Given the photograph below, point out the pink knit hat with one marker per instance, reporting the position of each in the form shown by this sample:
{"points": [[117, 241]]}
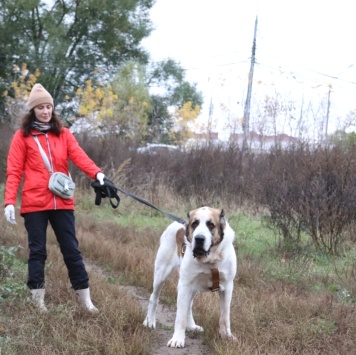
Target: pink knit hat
{"points": [[39, 95]]}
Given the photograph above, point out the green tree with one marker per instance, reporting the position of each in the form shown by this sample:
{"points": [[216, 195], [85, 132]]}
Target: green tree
{"points": [[71, 41], [133, 105], [120, 108], [125, 107], [174, 92], [342, 139]]}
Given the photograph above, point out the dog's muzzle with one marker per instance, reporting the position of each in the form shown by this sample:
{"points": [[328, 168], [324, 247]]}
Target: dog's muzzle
{"points": [[199, 250]]}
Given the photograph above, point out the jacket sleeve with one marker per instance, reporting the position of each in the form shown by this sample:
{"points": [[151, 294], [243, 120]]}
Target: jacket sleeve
{"points": [[15, 167], [77, 155]]}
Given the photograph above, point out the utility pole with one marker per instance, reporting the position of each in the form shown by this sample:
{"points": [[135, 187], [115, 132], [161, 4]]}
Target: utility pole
{"points": [[246, 118], [210, 122], [327, 116]]}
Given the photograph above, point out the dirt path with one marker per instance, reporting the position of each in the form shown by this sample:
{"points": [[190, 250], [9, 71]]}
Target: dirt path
{"points": [[164, 330], [165, 317]]}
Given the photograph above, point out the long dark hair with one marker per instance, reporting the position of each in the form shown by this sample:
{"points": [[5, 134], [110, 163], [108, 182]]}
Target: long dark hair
{"points": [[30, 117]]}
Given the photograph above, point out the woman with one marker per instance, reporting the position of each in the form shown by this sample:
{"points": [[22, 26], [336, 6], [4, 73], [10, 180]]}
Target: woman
{"points": [[38, 204]]}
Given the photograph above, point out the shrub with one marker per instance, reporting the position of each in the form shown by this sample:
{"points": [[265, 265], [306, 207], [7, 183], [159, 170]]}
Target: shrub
{"points": [[9, 264], [310, 192]]}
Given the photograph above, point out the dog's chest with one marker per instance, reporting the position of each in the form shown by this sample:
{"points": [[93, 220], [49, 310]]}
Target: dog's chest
{"points": [[205, 279]]}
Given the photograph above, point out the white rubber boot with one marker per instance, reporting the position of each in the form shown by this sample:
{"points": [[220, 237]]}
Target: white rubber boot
{"points": [[85, 300], [37, 296]]}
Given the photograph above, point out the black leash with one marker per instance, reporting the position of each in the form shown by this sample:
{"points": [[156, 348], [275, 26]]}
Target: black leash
{"points": [[110, 190]]}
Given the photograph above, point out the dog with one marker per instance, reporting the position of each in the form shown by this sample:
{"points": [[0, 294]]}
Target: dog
{"points": [[204, 253]]}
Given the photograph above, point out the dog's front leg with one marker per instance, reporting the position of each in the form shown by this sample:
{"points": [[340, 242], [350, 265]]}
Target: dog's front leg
{"points": [[184, 300], [164, 266], [191, 325], [225, 303]]}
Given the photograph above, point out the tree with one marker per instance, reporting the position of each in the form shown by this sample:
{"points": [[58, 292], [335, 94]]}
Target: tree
{"points": [[342, 139], [15, 105], [126, 108], [71, 41], [184, 116], [120, 108], [133, 105], [174, 92], [95, 103]]}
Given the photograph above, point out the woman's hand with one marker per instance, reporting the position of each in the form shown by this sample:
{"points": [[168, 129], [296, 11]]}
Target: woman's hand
{"points": [[100, 177], [10, 214]]}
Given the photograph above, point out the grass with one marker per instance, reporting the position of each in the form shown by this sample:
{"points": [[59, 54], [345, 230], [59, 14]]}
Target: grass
{"points": [[253, 238], [282, 303]]}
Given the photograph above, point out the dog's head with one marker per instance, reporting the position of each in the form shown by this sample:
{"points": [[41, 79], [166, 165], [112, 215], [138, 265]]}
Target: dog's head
{"points": [[204, 229]]}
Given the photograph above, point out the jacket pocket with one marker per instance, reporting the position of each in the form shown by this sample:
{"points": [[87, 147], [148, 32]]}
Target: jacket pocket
{"points": [[67, 202], [35, 197]]}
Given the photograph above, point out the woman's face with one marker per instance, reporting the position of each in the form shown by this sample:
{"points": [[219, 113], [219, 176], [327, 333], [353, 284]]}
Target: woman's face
{"points": [[43, 112]]}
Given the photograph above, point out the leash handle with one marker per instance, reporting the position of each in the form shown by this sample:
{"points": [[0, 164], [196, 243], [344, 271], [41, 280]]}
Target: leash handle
{"points": [[113, 195], [102, 191]]}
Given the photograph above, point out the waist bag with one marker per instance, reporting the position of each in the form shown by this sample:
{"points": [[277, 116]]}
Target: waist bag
{"points": [[59, 183]]}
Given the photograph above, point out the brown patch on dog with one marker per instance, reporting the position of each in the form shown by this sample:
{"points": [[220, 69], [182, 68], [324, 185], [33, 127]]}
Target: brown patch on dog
{"points": [[188, 226], [217, 217], [222, 225], [180, 242]]}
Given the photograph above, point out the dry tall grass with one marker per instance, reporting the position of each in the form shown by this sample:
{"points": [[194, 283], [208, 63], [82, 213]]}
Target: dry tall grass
{"points": [[268, 315]]}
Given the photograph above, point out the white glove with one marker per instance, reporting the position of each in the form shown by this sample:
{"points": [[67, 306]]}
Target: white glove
{"points": [[10, 214], [100, 178]]}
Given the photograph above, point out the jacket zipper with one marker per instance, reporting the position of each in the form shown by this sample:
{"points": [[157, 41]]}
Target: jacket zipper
{"points": [[51, 162]]}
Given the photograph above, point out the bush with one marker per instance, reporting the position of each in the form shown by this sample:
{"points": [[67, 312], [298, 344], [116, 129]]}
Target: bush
{"points": [[6, 133], [309, 192], [9, 284]]}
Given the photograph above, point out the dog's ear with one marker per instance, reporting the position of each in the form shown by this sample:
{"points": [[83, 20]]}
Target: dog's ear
{"points": [[222, 223], [188, 231], [222, 217]]}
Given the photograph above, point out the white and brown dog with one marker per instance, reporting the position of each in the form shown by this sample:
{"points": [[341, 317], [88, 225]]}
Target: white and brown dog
{"points": [[209, 264]]}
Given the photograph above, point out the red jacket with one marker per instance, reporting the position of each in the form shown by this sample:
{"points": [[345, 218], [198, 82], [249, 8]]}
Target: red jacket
{"points": [[25, 161]]}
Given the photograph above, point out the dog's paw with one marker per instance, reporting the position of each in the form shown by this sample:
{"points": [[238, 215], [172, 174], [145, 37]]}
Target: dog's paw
{"points": [[228, 336], [149, 324], [176, 343], [195, 328], [232, 337]]}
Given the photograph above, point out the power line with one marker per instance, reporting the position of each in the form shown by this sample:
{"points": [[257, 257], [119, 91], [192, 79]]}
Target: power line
{"points": [[309, 70], [217, 65]]}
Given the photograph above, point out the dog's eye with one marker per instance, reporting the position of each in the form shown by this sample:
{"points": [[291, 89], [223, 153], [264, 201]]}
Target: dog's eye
{"points": [[195, 224], [210, 225]]}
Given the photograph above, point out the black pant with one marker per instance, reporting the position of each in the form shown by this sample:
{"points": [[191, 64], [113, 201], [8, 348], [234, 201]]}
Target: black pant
{"points": [[63, 224]]}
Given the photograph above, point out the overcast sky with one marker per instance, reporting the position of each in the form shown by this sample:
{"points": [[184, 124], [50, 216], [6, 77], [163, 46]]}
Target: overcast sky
{"points": [[301, 46]]}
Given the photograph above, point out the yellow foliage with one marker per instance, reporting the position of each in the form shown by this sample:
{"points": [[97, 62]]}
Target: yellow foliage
{"points": [[97, 102], [99, 93], [187, 113], [23, 82], [184, 117]]}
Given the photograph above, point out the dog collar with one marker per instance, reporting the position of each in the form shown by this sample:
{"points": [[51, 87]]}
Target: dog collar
{"points": [[216, 280]]}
